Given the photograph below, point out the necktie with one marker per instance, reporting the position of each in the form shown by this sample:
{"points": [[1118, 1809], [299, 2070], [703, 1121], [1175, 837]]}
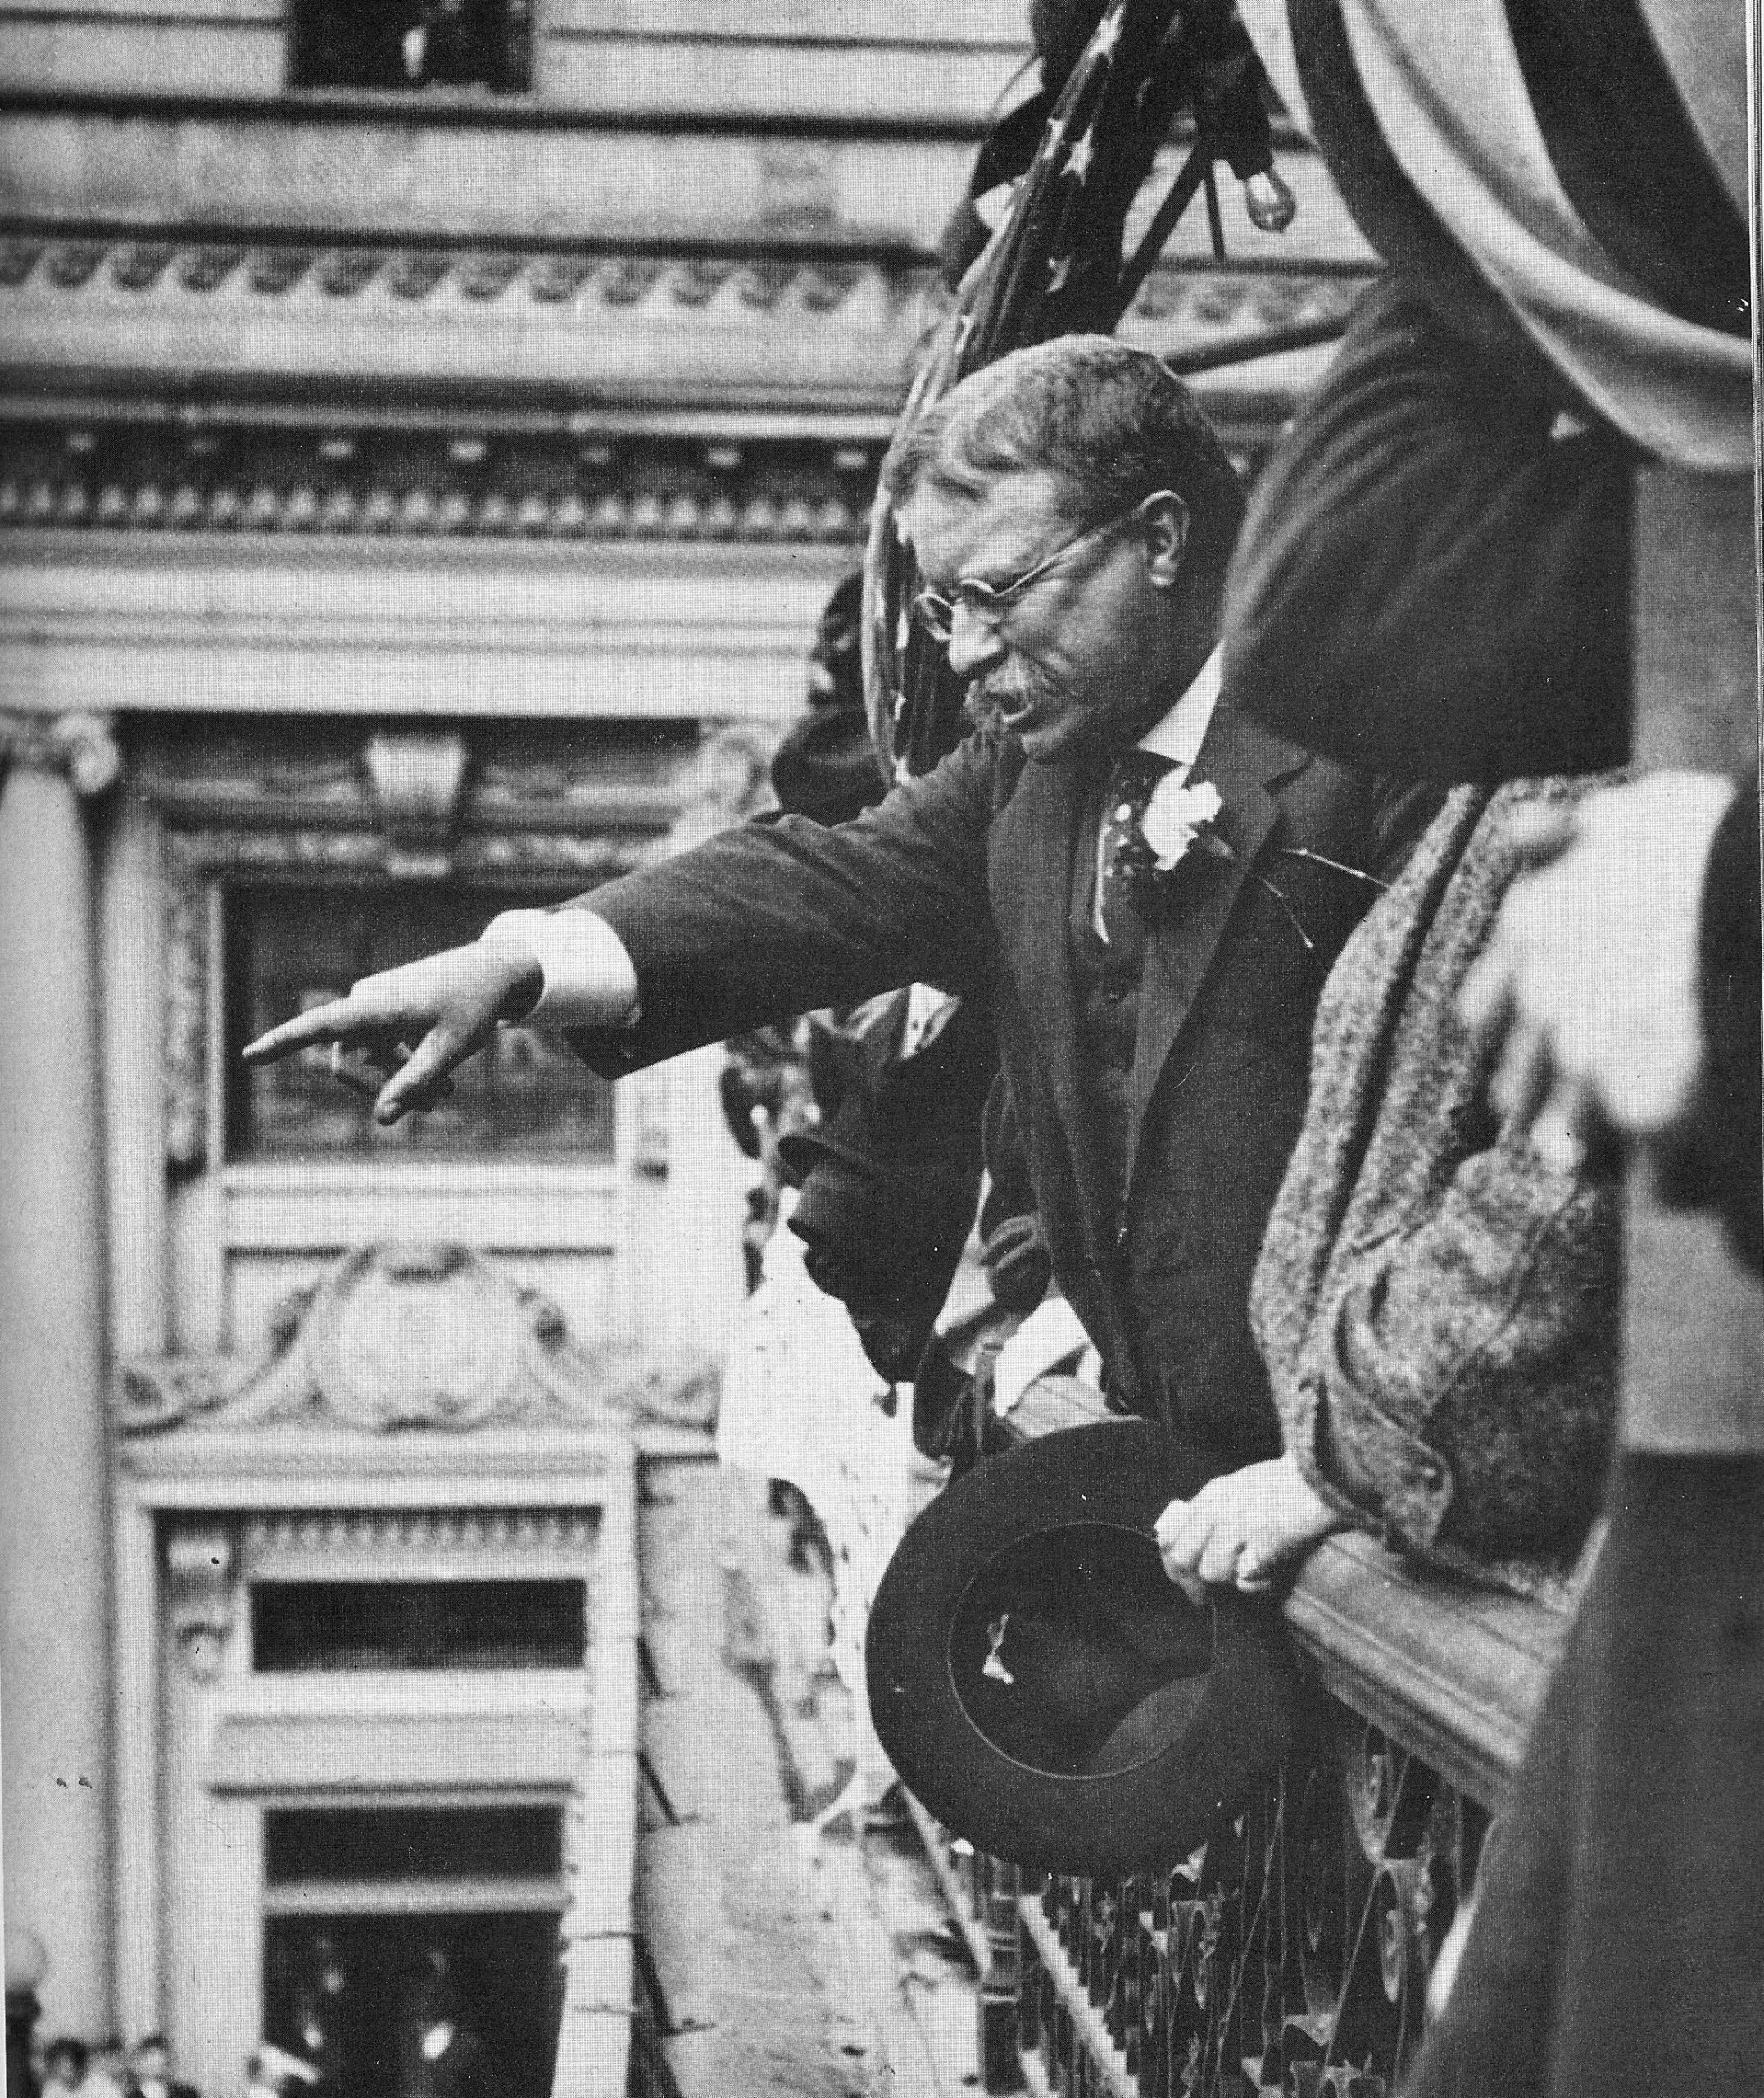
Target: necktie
{"points": [[1135, 772]]}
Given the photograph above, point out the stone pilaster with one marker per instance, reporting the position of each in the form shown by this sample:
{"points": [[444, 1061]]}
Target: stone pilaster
{"points": [[54, 1513]]}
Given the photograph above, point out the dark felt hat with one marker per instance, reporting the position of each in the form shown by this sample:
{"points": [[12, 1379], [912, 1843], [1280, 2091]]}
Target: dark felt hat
{"points": [[826, 768], [889, 1178], [890, 1229], [1040, 1684]]}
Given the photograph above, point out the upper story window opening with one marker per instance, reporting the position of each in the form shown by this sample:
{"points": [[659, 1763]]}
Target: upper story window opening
{"points": [[412, 43]]}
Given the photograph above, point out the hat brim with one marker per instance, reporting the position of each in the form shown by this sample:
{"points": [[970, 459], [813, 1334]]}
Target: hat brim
{"points": [[1174, 1760]]}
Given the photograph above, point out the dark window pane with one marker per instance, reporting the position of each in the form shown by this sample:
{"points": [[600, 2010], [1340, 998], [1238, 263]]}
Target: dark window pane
{"points": [[289, 949], [298, 1626], [412, 43], [381, 1843], [338, 1991]]}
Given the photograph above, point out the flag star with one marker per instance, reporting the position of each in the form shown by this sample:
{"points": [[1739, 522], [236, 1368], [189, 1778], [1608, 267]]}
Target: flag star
{"points": [[1078, 162], [1059, 269]]}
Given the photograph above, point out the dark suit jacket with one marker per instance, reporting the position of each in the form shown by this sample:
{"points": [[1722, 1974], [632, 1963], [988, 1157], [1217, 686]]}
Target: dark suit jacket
{"points": [[963, 877]]}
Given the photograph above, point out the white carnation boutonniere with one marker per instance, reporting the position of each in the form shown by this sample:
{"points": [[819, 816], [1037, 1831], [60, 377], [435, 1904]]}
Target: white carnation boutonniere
{"points": [[1178, 819], [1180, 824]]}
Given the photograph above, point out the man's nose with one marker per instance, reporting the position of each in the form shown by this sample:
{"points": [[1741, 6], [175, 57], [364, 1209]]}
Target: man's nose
{"points": [[975, 643]]}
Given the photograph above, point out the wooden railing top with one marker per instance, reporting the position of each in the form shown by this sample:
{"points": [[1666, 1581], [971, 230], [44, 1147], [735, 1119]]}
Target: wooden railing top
{"points": [[1452, 1673]]}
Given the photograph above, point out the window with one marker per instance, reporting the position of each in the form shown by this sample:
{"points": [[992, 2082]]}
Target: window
{"points": [[344, 1990], [412, 43], [309, 1847], [301, 1627], [525, 1094]]}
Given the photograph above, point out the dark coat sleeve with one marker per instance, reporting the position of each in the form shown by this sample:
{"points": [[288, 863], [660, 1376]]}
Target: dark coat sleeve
{"points": [[1460, 1382], [1438, 1306], [1422, 560], [778, 918]]}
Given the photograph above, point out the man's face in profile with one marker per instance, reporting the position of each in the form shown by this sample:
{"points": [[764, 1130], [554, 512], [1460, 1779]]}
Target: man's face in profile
{"points": [[1062, 663]]}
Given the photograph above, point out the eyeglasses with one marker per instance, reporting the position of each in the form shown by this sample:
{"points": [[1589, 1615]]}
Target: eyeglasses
{"points": [[988, 602]]}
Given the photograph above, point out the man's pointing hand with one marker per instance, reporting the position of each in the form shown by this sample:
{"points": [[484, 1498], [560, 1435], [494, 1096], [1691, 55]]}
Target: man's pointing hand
{"points": [[447, 1005]]}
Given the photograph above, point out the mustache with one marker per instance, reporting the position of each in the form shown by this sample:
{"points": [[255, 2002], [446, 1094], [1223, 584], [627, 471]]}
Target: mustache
{"points": [[1008, 687]]}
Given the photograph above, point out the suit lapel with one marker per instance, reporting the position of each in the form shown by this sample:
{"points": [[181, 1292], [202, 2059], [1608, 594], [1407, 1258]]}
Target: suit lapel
{"points": [[1240, 758], [1033, 842]]}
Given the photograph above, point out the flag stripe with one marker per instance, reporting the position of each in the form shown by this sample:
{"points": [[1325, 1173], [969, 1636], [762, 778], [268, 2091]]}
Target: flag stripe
{"points": [[1629, 157], [1451, 101]]}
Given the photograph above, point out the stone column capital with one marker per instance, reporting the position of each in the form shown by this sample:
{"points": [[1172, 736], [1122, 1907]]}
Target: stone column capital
{"points": [[80, 746]]}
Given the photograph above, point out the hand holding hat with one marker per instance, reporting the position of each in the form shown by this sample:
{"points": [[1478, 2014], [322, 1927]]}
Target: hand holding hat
{"points": [[1040, 1686]]}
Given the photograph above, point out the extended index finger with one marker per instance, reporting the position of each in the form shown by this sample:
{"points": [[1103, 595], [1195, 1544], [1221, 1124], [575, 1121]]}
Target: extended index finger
{"points": [[339, 1021]]}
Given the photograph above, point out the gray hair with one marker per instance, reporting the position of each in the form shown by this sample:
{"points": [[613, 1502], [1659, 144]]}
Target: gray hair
{"points": [[1110, 421]]}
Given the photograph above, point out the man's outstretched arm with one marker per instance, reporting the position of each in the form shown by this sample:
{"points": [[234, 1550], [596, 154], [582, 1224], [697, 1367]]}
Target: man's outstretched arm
{"points": [[780, 917], [756, 923]]}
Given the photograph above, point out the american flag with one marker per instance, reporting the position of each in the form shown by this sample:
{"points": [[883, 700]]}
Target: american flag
{"points": [[1054, 267]]}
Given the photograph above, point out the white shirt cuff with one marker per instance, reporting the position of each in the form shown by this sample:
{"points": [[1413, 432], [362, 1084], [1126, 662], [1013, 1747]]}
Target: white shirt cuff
{"points": [[580, 958]]}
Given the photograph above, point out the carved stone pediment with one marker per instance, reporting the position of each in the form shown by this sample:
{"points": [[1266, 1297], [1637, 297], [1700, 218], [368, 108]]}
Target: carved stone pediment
{"points": [[403, 1336]]}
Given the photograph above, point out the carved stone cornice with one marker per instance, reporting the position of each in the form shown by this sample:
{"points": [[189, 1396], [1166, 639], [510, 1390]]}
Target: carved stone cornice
{"points": [[80, 746], [597, 786], [575, 284], [788, 374], [287, 479], [594, 287], [397, 1336], [508, 322]]}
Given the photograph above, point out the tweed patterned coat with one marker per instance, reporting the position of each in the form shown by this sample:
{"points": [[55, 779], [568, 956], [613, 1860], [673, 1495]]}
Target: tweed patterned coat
{"points": [[1438, 1309]]}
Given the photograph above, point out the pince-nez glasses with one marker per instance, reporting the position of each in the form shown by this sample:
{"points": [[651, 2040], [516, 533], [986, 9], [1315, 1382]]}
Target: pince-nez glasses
{"points": [[988, 602]]}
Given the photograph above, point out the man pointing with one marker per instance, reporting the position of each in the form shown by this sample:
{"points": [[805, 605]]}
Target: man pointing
{"points": [[1147, 887]]}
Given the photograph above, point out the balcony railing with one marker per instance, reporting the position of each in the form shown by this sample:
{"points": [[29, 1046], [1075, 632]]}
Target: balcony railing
{"points": [[1291, 1952]]}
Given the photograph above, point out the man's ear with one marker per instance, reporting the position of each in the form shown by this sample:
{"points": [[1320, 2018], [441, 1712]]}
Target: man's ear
{"points": [[1164, 523]]}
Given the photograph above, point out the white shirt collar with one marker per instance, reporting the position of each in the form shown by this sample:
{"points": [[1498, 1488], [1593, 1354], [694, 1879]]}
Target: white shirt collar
{"points": [[1179, 735]]}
